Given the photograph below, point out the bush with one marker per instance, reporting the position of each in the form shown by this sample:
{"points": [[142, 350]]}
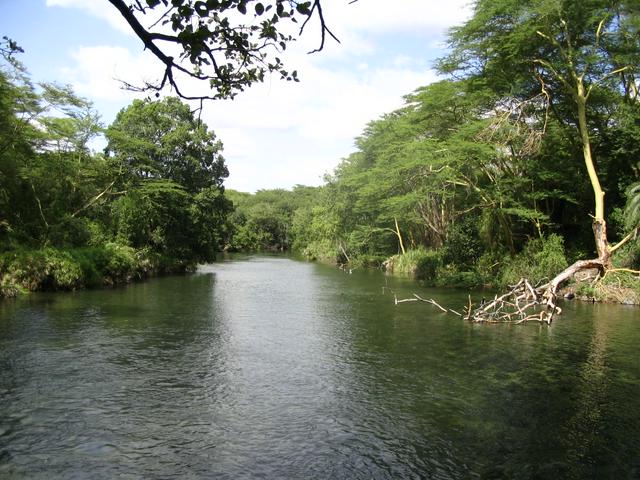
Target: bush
{"points": [[462, 247], [55, 269], [419, 263], [121, 264], [489, 267], [541, 258], [619, 287], [322, 250], [628, 256], [367, 261], [70, 232], [46, 269], [450, 276]]}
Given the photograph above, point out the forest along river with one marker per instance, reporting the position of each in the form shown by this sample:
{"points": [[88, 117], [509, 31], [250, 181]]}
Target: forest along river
{"points": [[266, 367]]}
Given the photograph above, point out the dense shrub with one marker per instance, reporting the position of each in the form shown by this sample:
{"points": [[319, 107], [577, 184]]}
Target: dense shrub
{"points": [[46, 269], [462, 246], [541, 259], [419, 263], [57, 269], [621, 287], [450, 276], [322, 250]]}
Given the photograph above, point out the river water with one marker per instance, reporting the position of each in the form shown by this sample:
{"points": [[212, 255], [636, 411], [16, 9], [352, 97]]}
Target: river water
{"points": [[266, 367]]}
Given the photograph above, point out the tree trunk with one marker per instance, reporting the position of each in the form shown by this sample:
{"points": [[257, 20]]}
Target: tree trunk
{"points": [[599, 223], [602, 245]]}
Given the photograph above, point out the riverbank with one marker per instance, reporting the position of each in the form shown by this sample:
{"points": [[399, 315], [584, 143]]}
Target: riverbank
{"points": [[53, 269], [618, 285]]}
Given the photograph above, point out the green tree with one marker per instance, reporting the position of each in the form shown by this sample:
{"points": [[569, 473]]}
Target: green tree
{"points": [[49, 176], [170, 173], [263, 221], [583, 59], [163, 140]]}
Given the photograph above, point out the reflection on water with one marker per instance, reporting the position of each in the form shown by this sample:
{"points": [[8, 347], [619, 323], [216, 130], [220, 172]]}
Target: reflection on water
{"points": [[270, 368]]}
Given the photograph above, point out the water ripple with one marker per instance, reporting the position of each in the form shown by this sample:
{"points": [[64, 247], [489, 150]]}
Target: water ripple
{"points": [[269, 368]]}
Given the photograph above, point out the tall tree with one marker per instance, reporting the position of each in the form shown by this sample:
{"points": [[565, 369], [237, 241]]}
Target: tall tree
{"points": [[163, 140], [170, 171]]}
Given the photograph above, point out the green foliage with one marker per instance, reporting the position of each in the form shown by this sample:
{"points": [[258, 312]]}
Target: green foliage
{"points": [[419, 263], [71, 269], [632, 209], [265, 220], [163, 140], [230, 51], [574, 63], [71, 218], [450, 276], [617, 286], [47, 269], [462, 247], [541, 259], [173, 203]]}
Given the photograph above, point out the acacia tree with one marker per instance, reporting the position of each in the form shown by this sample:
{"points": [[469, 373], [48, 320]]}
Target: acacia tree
{"points": [[49, 180], [571, 52]]}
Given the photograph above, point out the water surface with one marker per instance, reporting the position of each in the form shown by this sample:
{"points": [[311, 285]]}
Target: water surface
{"points": [[266, 367]]}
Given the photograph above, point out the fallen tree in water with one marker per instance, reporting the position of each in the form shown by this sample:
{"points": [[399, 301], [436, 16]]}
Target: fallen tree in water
{"points": [[522, 303], [525, 302]]}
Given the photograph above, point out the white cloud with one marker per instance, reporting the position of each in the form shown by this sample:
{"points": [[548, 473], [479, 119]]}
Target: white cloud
{"points": [[97, 8], [279, 134], [378, 16], [99, 71], [291, 134]]}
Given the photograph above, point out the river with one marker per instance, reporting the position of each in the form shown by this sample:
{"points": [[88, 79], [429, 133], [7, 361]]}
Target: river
{"points": [[267, 367]]}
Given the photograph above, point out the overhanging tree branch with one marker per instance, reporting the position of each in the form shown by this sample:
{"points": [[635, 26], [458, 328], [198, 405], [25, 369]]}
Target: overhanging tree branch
{"points": [[228, 54]]}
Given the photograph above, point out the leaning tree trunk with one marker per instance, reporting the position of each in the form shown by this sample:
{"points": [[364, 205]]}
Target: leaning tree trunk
{"points": [[603, 262], [599, 224], [518, 303]]}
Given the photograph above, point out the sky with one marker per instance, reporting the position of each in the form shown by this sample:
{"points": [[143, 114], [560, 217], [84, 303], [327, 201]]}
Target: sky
{"points": [[276, 134]]}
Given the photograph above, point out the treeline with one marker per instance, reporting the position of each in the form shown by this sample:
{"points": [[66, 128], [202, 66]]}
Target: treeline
{"points": [[491, 174], [469, 192], [152, 201]]}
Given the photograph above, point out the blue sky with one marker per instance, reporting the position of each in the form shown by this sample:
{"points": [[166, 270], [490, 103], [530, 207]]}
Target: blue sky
{"points": [[276, 134]]}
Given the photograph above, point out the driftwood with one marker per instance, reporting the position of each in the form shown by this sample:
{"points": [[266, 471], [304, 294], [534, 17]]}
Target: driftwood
{"points": [[418, 298], [522, 303]]}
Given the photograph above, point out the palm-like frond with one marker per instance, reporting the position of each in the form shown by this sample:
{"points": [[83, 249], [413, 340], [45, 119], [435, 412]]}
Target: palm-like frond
{"points": [[632, 209]]}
